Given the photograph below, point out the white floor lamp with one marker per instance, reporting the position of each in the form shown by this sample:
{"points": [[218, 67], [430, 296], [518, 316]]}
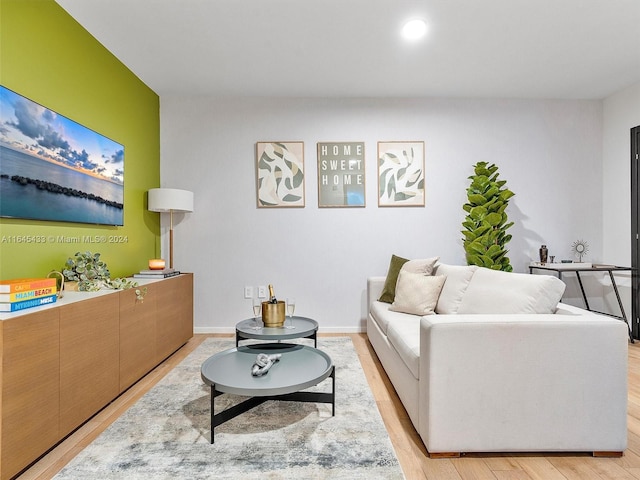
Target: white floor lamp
{"points": [[170, 200]]}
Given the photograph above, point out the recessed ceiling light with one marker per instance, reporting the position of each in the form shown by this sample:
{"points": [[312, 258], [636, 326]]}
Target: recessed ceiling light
{"points": [[414, 29]]}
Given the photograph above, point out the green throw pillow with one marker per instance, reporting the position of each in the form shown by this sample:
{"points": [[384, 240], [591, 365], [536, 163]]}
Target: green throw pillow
{"points": [[389, 290]]}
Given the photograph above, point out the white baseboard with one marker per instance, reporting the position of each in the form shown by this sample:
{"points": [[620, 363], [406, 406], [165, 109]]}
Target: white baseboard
{"points": [[232, 330]]}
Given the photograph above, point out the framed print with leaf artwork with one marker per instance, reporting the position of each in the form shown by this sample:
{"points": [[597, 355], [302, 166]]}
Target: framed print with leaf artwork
{"points": [[280, 174], [341, 174], [401, 174]]}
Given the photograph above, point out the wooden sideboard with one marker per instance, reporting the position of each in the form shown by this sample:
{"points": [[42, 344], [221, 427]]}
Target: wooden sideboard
{"points": [[61, 364]]}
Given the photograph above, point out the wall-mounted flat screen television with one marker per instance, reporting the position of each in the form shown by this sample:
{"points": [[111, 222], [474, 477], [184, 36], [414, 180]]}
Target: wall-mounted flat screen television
{"points": [[52, 168]]}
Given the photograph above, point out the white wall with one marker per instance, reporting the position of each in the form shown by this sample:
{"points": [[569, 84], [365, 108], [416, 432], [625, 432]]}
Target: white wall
{"points": [[550, 153], [621, 112]]}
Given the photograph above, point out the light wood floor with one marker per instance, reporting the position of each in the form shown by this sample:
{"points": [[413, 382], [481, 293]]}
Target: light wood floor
{"points": [[407, 443]]}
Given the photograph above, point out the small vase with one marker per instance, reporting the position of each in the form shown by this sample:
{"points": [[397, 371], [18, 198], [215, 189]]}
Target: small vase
{"points": [[71, 286], [543, 254]]}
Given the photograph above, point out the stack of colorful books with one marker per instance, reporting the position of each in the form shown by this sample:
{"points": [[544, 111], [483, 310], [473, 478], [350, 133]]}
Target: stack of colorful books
{"points": [[157, 274], [22, 293]]}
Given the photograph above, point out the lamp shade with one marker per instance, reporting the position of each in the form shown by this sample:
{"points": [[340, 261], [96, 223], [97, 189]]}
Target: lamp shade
{"points": [[170, 199]]}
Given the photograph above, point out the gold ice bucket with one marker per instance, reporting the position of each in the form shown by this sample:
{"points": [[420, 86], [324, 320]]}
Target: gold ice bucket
{"points": [[273, 314]]}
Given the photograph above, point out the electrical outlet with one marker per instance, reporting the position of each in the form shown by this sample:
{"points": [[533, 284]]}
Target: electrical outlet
{"points": [[248, 292], [262, 291]]}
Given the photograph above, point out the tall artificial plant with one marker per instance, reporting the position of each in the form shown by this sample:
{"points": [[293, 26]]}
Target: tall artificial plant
{"points": [[486, 223]]}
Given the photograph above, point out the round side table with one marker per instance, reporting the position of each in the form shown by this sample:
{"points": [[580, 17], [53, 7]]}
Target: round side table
{"points": [[303, 328]]}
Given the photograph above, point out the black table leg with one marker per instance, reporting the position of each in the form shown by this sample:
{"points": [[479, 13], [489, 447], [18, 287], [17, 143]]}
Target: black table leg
{"points": [[624, 315], [584, 295], [333, 392], [252, 402]]}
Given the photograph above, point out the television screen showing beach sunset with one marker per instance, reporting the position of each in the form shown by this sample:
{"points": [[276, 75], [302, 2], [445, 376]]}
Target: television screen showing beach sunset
{"points": [[52, 168]]}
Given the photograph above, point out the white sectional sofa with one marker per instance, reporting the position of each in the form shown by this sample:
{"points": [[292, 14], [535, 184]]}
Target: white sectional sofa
{"points": [[496, 364]]}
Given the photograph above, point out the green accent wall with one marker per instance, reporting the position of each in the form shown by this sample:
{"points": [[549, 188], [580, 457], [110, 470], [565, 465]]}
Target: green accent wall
{"points": [[48, 57]]}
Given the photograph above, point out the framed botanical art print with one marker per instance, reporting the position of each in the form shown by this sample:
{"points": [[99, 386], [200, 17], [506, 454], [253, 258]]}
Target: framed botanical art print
{"points": [[280, 174], [341, 174], [401, 174]]}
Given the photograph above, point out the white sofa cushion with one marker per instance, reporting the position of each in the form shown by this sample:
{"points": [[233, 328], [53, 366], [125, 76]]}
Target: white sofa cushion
{"points": [[457, 280], [417, 293], [381, 314], [405, 339], [495, 291]]}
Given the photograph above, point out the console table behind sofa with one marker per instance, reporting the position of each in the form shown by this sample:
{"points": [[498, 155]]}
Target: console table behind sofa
{"points": [[560, 268]]}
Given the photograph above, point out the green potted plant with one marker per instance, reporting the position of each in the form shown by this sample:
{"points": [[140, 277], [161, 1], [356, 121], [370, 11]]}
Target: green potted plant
{"points": [[486, 223], [88, 270], [92, 274]]}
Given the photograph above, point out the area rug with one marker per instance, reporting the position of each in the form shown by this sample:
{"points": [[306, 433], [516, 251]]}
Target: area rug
{"points": [[165, 435]]}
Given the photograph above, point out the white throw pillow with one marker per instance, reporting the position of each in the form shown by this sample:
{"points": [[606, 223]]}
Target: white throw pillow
{"points": [[424, 266], [494, 291], [417, 293], [458, 278]]}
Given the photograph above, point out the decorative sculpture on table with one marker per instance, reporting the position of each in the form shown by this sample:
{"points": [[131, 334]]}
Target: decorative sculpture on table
{"points": [[59, 282], [579, 249], [544, 252], [263, 363]]}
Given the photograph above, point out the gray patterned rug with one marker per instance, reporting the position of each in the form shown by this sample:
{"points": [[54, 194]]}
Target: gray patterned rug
{"points": [[165, 435]]}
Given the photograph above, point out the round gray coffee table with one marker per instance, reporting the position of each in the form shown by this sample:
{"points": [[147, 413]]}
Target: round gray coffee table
{"points": [[299, 367], [303, 328]]}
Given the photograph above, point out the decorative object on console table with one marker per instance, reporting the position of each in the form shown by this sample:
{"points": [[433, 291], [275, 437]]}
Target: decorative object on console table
{"points": [[157, 274], [544, 252], [169, 200], [580, 249], [157, 264], [59, 282], [92, 274], [401, 174], [25, 284], [27, 293], [280, 174], [33, 302], [341, 174]]}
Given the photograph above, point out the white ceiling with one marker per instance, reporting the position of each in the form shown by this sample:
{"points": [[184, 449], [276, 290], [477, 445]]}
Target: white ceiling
{"points": [[352, 48]]}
